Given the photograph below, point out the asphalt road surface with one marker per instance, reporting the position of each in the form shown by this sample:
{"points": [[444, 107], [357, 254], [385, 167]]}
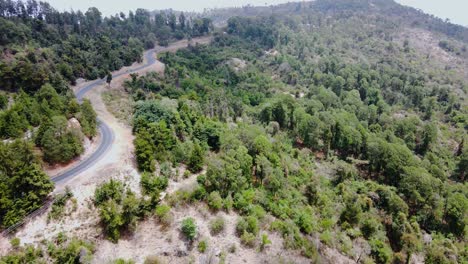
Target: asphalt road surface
{"points": [[107, 136]]}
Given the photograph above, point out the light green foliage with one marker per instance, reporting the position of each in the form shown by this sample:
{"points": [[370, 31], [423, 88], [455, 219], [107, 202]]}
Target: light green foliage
{"points": [[163, 213], [248, 239], [152, 183], [61, 250], [381, 252], [264, 242], [248, 224], [202, 246], [111, 217], [215, 201], [15, 242]]}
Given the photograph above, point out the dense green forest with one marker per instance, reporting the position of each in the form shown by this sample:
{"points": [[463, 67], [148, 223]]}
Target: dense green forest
{"points": [[275, 97], [43, 51], [321, 116]]}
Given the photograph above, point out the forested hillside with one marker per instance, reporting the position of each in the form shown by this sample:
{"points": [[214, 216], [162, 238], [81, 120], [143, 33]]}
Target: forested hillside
{"points": [[275, 98], [332, 124], [43, 51]]}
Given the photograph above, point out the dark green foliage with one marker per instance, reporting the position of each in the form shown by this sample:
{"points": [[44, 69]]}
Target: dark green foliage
{"points": [[381, 253], [197, 158], [58, 207], [73, 44], [355, 137], [23, 184], [152, 183], [88, 119], [112, 190], [144, 151], [119, 210], [189, 228], [59, 142]]}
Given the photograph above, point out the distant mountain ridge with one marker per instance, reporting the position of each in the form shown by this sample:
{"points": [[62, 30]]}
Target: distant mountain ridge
{"points": [[397, 12]]}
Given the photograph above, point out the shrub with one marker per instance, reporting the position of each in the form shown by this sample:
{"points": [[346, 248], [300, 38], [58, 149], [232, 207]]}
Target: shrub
{"points": [[15, 242], [111, 218], [228, 203], [202, 246], [248, 239], [232, 248], [264, 242], [247, 224], [123, 261], [153, 260], [369, 227], [217, 225], [152, 183], [215, 201], [327, 238], [58, 207], [166, 170], [189, 228], [381, 252], [163, 213], [197, 158], [107, 191]]}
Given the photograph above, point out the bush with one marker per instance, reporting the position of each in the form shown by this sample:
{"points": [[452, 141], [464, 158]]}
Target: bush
{"points": [[217, 225], [189, 228], [123, 261], [58, 207], [264, 242], [187, 174], [228, 203], [111, 190], [152, 183], [163, 213], [327, 238], [153, 260], [197, 159], [232, 248], [248, 239], [369, 227], [215, 201], [247, 224], [381, 252], [15, 242], [202, 246]]}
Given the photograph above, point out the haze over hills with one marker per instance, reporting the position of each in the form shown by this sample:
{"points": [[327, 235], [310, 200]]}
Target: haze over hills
{"points": [[331, 131]]}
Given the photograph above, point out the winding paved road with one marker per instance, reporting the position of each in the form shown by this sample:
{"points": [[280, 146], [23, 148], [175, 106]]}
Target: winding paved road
{"points": [[107, 136]]}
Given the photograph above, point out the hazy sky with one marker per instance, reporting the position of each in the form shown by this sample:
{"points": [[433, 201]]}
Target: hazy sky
{"points": [[455, 10]]}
